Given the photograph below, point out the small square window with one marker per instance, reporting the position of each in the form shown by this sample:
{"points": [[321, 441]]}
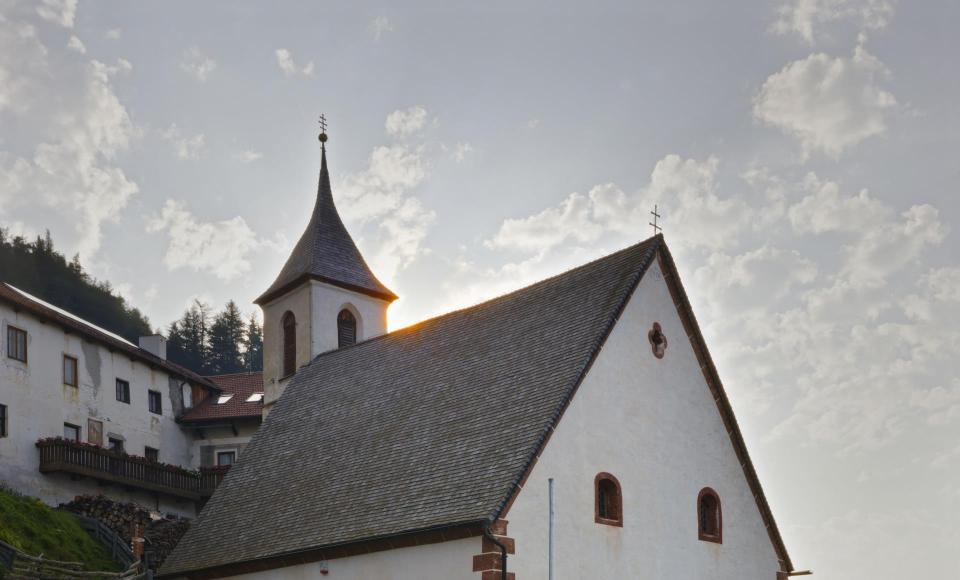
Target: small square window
{"points": [[3, 420], [123, 391], [226, 458], [115, 444], [17, 343], [71, 432], [69, 370], [151, 454], [156, 405]]}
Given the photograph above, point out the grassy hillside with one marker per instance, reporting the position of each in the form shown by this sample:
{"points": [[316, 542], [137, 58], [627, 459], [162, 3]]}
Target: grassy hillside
{"points": [[32, 527]]}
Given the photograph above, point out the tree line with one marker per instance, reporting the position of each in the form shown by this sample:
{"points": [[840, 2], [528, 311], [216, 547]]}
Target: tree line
{"points": [[38, 268], [218, 343], [204, 341]]}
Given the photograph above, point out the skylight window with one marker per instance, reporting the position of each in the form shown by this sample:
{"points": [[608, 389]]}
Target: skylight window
{"points": [[224, 398], [255, 398]]}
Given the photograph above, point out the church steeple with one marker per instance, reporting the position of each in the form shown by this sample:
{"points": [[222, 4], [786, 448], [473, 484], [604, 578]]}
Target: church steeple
{"points": [[326, 252], [324, 298]]}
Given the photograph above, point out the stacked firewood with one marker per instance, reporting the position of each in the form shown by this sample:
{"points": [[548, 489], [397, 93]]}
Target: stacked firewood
{"points": [[118, 516], [161, 533]]}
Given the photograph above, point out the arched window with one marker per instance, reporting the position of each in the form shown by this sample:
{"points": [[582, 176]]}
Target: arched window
{"points": [[289, 325], [709, 516], [609, 501], [346, 328]]}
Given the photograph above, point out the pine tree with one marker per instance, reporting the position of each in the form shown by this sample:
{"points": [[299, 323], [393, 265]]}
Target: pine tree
{"points": [[226, 341], [253, 355], [188, 340]]}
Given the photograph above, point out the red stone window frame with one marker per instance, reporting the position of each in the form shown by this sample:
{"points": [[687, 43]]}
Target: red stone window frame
{"points": [[709, 516], [608, 500], [288, 327]]}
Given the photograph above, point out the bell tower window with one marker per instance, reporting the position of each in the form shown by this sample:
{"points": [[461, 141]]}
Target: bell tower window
{"points": [[289, 327], [346, 328]]}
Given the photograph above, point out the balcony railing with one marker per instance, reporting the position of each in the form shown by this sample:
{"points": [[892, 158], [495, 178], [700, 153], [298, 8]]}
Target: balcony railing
{"points": [[61, 455]]}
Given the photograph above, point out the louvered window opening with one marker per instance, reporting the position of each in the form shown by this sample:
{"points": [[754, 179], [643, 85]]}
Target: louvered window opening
{"points": [[346, 329], [289, 324]]}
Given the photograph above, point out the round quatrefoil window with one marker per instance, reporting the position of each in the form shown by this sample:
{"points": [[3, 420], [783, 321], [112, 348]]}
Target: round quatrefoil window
{"points": [[658, 342]]}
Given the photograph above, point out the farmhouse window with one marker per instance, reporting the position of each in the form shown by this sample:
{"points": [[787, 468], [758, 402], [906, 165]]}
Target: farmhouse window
{"points": [[71, 432], [17, 343], [123, 391], [155, 401], [69, 370]]}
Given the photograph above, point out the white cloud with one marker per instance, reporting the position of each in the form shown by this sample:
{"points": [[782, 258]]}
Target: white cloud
{"points": [[23, 65], [826, 209], [62, 12], [75, 174], [289, 67], [380, 25], [76, 45], [406, 122], [943, 284], [829, 104], [533, 123], [684, 189], [249, 156], [804, 16], [187, 148], [197, 64], [221, 248], [460, 151], [379, 202], [113, 34]]}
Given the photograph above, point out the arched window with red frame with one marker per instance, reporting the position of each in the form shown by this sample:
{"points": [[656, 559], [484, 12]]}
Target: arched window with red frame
{"points": [[709, 516], [288, 325], [608, 500]]}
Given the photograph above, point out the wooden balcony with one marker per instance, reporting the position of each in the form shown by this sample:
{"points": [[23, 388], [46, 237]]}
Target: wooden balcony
{"points": [[60, 455]]}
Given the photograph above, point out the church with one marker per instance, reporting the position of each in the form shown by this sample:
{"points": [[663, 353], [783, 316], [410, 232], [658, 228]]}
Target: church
{"points": [[575, 428]]}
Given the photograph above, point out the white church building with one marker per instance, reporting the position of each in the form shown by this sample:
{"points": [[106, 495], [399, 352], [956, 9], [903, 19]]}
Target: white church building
{"points": [[574, 429]]}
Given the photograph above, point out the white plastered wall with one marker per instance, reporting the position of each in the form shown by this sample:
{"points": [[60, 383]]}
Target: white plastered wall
{"points": [[38, 405], [451, 560], [653, 424]]}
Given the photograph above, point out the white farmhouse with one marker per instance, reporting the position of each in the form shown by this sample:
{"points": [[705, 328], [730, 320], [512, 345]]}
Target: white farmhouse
{"points": [[584, 410], [84, 411]]}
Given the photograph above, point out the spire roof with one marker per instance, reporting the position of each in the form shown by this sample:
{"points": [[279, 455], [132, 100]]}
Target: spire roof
{"points": [[326, 252]]}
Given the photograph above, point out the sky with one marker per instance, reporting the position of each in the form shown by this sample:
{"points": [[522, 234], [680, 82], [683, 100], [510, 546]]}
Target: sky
{"points": [[802, 154]]}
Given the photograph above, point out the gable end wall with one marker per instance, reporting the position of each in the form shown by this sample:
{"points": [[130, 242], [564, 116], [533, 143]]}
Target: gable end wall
{"points": [[653, 424]]}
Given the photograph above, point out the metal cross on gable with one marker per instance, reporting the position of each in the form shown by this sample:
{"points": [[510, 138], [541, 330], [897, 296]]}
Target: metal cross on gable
{"points": [[656, 227], [323, 123]]}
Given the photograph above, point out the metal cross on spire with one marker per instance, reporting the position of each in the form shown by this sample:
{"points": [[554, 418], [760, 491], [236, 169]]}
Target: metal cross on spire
{"points": [[323, 128], [656, 227]]}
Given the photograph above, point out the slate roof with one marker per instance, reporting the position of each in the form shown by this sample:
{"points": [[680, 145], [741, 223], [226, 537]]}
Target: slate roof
{"points": [[424, 427], [326, 252], [241, 386], [46, 311], [428, 427]]}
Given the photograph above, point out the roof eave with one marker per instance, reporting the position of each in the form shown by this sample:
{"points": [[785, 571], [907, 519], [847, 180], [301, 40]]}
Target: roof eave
{"points": [[274, 293], [405, 539]]}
